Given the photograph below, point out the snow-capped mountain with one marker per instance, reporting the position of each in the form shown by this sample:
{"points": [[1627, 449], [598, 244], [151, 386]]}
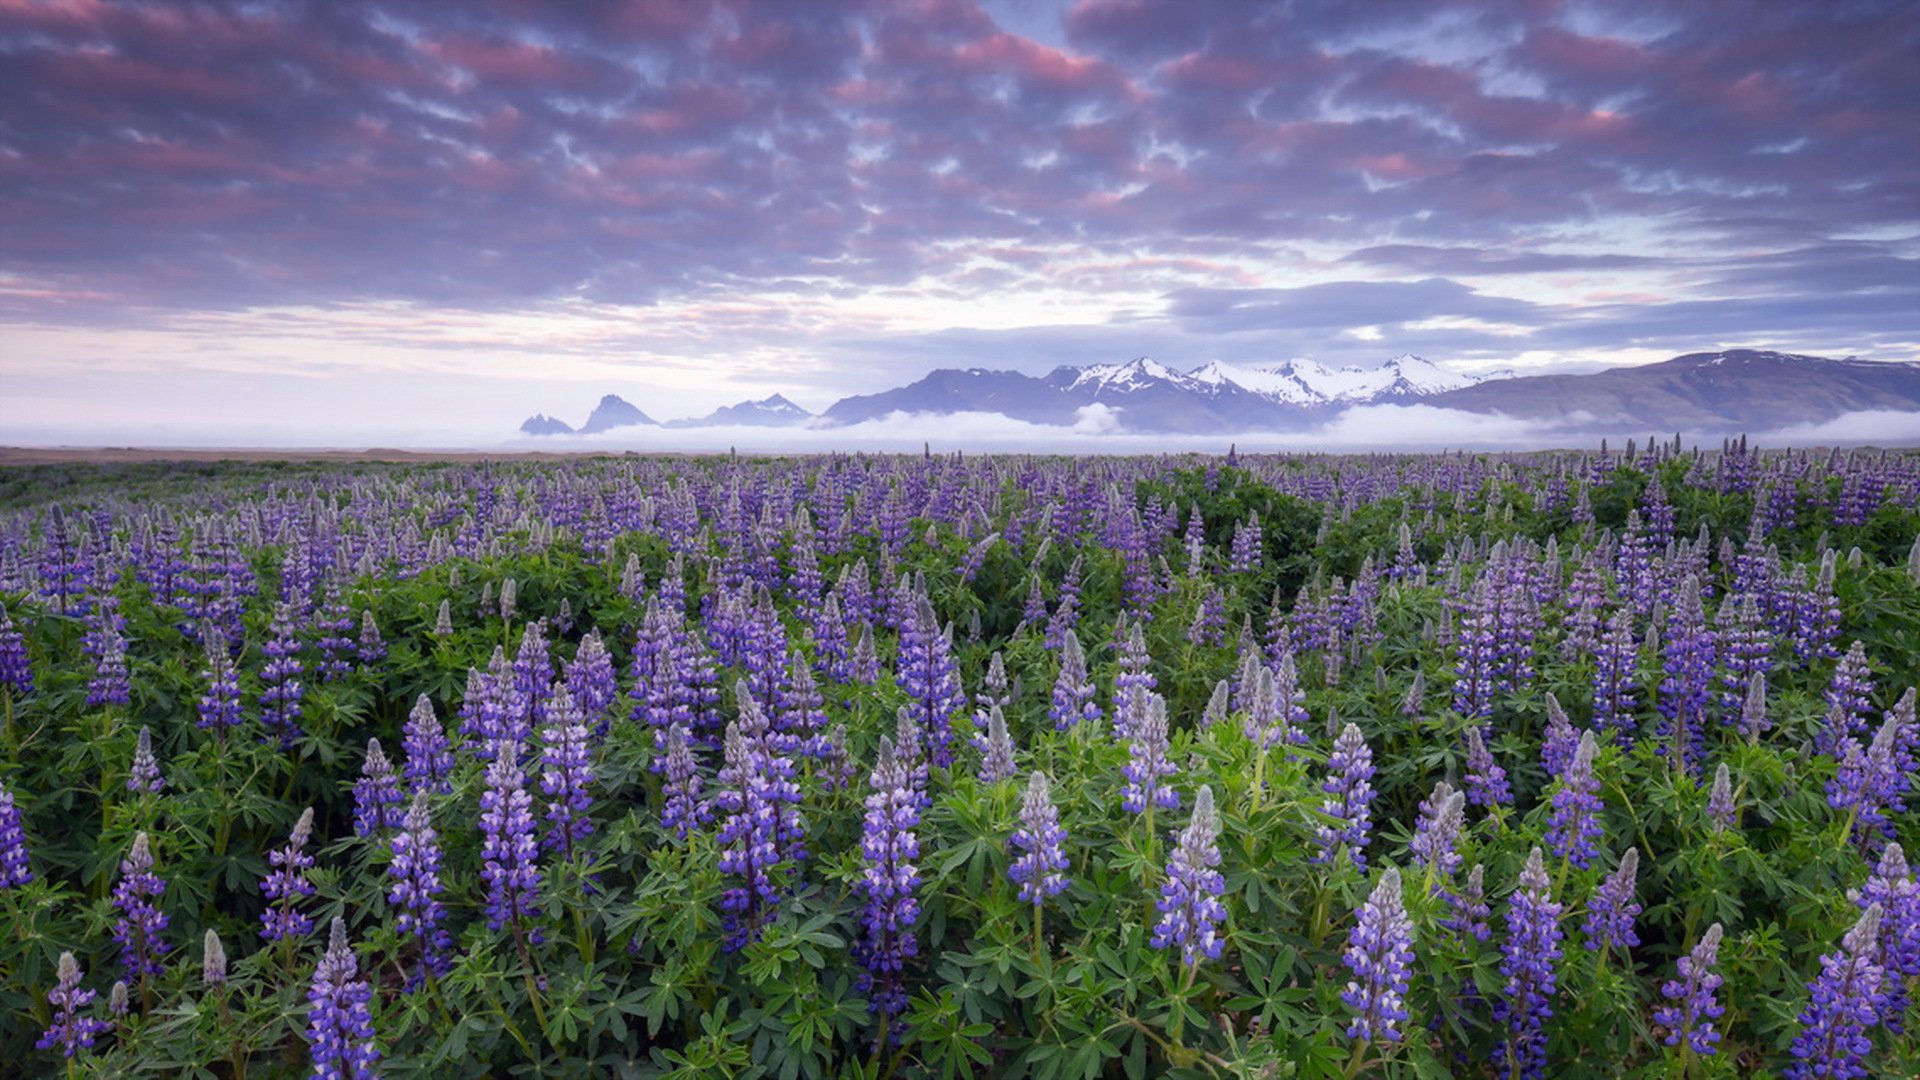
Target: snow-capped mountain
{"points": [[1730, 391]]}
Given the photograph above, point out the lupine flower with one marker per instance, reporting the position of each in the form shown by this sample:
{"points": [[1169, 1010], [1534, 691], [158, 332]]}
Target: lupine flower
{"points": [[1527, 960], [141, 921], [1690, 1018], [1848, 697], [219, 707], [1190, 907], [1556, 750], [415, 870], [1147, 766], [1349, 798], [1040, 867], [443, 620], [836, 765], [508, 851], [996, 758], [74, 1027], [566, 775], [1615, 681], [286, 884], [1486, 780], [1218, 705], [1135, 672], [928, 675], [683, 810], [213, 959], [1833, 1039], [424, 741], [1753, 711], [1575, 823], [117, 1006], [1072, 691], [15, 870], [376, 795], [1611, 912], [591, 680], [1720, 805], [281, 694], [762, 828], [108, 684], [16, 670], [1688, 658], [1469, 909], [889, 846], [340, 1022], [1891, 886], [1436, 831], [1379, 952], [371, 648]]}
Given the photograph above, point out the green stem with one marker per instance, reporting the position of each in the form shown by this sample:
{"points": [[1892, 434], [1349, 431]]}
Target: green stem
{"points": [[1354, 1063]]}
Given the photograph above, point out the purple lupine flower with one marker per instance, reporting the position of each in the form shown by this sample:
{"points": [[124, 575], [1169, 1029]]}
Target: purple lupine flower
{"points": [[371, 648], [1748, 648], [996, 758], [1833, 1040], [864, 668], [1486, 780], [800, 711], [286, 884], [1219, 704], [1611, 912], [1379, 952], [1436, 831], [280, 675], [566, 775], [1247, 546], [1527, 960], [415, 870], [1469, 910], [1616, 680], [837, 769], [1867, 783], [1575, 823], [429, 762], [376, 794], [15, 870], [443, 621], [1073, 690], [1691, 1019], [508, 851], [16, 669], [109, 684], [889, 846], [1477, 643], [219, 707], [144, 774], [1848, 698], [1349, 798], [334, 621], [1040, 868], [1066, 614], [1720, 805], [1209, 626], [74, 1026], [340, 1022], [1190, 907], [1147, 766], [1135, 666], [141, 921], [683, 810], [746, 837], [1686, 694], [1556, 750], [1892, 887], [590, 678], [928, 675]]}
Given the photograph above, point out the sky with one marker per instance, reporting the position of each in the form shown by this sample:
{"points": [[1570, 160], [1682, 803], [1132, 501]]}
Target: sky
{"points": [[415, 222]]}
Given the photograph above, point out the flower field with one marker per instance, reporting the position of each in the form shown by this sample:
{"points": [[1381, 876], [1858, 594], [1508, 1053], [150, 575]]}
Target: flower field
{"points": [[1569, 765]]}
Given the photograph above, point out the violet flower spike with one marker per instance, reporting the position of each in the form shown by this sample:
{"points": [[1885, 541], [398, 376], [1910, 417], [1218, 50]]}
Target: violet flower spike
{"points": [[15, 869], [1379, 953], [1833, 1039], [1527, 960], [340, 1021], [1611, 912], [1189, 905], [1040, 866], [1692, 1007], [286, 884], [144, 774], [74, 1027], [141, 921]]}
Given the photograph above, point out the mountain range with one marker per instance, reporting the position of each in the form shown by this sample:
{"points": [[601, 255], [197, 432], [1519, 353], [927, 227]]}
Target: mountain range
{"points": [[1719, 392]]}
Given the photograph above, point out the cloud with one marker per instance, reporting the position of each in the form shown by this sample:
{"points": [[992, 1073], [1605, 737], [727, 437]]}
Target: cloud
{"points": [[1883, 427]]}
